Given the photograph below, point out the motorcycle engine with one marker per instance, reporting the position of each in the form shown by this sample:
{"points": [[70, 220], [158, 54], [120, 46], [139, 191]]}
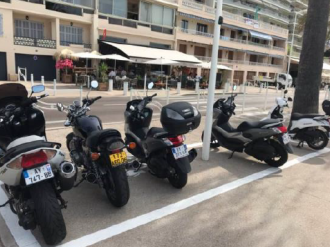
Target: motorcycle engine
{"points": [[76, 152]]}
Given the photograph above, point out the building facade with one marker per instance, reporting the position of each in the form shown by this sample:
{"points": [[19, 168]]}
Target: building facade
{"points": [[253, 40]]}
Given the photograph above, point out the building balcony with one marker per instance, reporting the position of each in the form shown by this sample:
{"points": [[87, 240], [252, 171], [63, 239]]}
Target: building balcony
{"points": [[34, 1], [239, 44], [279, 4], [265, 12], [90, 4], [42, 43], [232, 62], [194, 6], [82, 45]]}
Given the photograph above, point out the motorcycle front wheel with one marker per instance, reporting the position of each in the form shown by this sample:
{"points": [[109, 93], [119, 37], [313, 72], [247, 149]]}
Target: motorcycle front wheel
{"points": [[116, 186], [281, 156], [320, 141], [48, 213], [214, 142]]}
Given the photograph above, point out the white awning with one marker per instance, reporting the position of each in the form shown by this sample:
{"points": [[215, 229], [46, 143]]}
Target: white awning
{"points": [[207, 65], [261, 35], [135, 51]]}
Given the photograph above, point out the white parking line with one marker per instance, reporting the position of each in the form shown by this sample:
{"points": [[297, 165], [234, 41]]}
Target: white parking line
{"points": [[23, 238], [141, 220]]}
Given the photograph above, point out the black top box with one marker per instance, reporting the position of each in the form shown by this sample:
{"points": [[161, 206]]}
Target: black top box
{"points": [[180, 118]]}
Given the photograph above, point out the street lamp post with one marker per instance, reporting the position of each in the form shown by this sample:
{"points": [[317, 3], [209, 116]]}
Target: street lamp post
{"points": [[213, 75]]}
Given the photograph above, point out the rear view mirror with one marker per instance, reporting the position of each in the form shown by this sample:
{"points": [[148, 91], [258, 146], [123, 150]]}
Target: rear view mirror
{"points": [[290, 99], [94, 84], [38, 89], [150, 85]]}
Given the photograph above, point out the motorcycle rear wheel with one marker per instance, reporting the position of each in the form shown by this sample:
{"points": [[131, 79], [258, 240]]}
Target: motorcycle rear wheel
{"points": [[116, 186], [320, 142], [48, 213], [281, 155], [179, 179]]}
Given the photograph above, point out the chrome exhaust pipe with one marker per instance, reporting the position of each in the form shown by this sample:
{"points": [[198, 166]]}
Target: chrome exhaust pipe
{"points": [[67, 175]]}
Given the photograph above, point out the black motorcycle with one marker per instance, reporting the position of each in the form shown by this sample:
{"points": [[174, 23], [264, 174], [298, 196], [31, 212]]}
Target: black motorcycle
{"points": [[163, 149], [100, 153], [33, 170], [265, 140]]}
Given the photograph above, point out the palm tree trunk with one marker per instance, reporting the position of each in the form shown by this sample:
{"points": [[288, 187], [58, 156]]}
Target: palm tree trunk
{"points": [[311, 58]]}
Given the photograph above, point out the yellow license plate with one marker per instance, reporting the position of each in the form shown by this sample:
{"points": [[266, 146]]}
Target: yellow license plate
{"points": [[118, 159]]}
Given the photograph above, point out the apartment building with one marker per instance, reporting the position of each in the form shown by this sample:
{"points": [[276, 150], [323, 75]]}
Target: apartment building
{"points": [[253, 39]]}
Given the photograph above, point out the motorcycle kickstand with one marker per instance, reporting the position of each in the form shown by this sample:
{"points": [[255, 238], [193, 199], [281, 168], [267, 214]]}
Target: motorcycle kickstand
{"points": [[64, 204], [232, 155], [300, 144], [9, 201]]}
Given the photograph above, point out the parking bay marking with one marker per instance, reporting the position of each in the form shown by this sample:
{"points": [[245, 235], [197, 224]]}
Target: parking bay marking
{"points": [[144, 219]]}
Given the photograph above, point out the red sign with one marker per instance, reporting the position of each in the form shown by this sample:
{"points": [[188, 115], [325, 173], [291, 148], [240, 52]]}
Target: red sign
{"points": [[104, 34]]}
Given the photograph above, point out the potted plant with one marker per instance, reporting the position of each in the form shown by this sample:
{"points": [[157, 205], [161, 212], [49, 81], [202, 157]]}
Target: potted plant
{"points": [[65, 65], [103, 70]]}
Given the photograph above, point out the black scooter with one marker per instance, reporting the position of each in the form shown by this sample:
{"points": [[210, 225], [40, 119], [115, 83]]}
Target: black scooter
{"points": [[163, 149], [99, 153], [264, 140]]}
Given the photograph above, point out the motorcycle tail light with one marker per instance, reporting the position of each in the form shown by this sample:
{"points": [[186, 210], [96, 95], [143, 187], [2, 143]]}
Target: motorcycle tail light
{"points": [[283, 129], [176, 141], [50, 153], [15, 164], [29, 160]]}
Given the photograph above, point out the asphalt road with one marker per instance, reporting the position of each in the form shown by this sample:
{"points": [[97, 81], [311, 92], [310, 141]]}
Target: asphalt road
{"points": [[111, 109]]}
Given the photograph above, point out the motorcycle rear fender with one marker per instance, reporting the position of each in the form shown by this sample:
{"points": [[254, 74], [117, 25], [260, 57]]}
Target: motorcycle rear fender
{"points": [[184, 164], [153, 145]]}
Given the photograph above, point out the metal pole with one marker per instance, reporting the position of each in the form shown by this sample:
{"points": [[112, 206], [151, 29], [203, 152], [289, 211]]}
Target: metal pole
{"points": [[145, 83], [54, 87], [166, 81], [43, 80], [131, 94], [211, 89], [266, 97], [81, 90], [244, 93], [198, 98], [292, 41], [32, 80], [167, 96]]}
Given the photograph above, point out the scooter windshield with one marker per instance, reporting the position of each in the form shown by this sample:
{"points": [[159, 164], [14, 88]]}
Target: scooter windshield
{"points": [[12, 92]]}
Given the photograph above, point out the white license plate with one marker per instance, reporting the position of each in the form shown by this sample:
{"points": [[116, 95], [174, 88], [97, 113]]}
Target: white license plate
{"points": [[38, 174], [180, 152], [286, 138]]}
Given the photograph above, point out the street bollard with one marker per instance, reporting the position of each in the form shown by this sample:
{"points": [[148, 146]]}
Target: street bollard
{"points": [[261, 86], [227, 87], [131, 94], [145, 84], [125, 88], [110, 85], [266, 97], [54, 87], [326, 92], [88, 81], [198, 98], [197, 86], [241, 88], [178, 88], [32, 80], [244, 93], [81, 93], [167, 96], [43, 80]]}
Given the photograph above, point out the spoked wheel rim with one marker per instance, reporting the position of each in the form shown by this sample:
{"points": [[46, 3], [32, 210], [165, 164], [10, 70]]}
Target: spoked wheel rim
{"points": [[318, 141]]}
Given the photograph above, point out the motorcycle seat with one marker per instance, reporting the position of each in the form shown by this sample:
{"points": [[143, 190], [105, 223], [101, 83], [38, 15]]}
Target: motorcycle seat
{"points": [[154, 130], [256, 125], [95, 138], [298, 116]]}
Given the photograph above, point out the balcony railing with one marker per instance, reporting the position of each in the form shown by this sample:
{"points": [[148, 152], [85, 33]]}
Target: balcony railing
{"points": [[43, 43], [5, 1], [224, 38], [85, 3], [280, 4], [257, 24], [228, 61], [68, 43], [252, 8]]}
